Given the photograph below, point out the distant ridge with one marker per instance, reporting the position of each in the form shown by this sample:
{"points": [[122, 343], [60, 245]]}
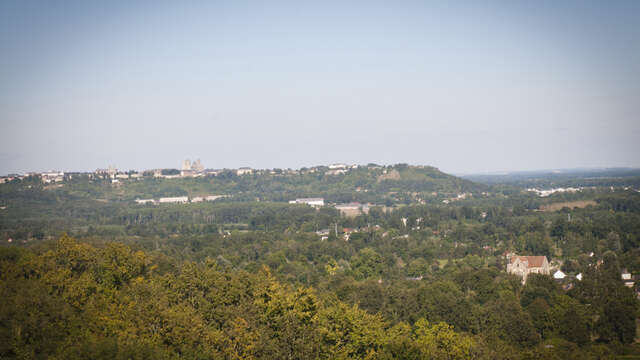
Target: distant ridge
{"points": [[576, 176]]}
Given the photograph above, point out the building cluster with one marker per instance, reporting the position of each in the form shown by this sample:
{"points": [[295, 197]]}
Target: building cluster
{"points": [[47, 177], [524, 266], [352, 209], [52, 176], [188, 169], [548, 192], [457, 197], [345, 233], [111, 173], [339, 169], [180, 199], [8, 178]]}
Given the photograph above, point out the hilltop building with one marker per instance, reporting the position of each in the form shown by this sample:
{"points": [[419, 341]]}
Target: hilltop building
{"points": [[109, 172], [52, 176], [336, 172], [244, 171], [191, 168]]}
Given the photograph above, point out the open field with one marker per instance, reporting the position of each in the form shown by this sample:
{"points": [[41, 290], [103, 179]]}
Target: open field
{"points": [[569, 204]]}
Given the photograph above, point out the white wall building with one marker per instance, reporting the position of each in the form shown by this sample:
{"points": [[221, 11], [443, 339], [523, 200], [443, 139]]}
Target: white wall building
{"points": [[244, 171], [308, 201], [145, 201], [336, 172], [52, 176], [215, 197], [177, 199]]}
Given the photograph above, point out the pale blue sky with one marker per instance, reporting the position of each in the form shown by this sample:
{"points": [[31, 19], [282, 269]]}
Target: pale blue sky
{"points": [[466, 87]]}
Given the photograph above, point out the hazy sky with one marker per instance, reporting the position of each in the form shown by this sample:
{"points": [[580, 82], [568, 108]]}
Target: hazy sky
{"points": [[468, 87]]}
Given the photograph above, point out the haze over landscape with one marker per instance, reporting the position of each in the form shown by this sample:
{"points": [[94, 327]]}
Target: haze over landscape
{"points": [[465, 87], [446, 180]]}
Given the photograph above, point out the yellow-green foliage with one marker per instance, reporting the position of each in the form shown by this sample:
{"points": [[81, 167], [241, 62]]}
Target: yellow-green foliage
{"points": [[80, 301]]}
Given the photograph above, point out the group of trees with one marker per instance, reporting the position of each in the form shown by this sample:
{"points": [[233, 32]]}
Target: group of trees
{"points": [[240, 278], [78, 301], [68, 299]]}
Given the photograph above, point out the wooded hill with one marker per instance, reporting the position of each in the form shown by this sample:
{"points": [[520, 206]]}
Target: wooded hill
{"points": [[375, 184]]}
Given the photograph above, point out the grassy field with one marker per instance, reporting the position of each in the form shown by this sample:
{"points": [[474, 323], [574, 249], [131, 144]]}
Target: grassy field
{"points": [[568, 204]]}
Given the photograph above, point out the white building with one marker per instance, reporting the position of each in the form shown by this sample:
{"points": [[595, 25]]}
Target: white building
{"points": [[324, 233], [215, 197], [559, 275], [52, 176], [197, 199], [336, 172], [545, 193], [627, 278], [177, 199], [145, 201], [308, 201], [244, 171]]}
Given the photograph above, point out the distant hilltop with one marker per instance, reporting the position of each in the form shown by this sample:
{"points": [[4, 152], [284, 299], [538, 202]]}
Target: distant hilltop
{"points": [[189, 168], [415, 181], [195, 168]]}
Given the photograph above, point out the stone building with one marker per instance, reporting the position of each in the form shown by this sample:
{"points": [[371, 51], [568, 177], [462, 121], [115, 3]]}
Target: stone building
{"points": [[525, 265]]}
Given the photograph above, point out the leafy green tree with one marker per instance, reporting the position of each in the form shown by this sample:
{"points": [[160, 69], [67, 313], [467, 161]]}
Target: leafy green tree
{"points": [[439, 341], [368, 263], [575, 328], [505, 319]]}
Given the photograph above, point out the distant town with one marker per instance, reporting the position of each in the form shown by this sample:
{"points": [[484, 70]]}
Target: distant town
{"points": [[188, 169], [193, 169]]}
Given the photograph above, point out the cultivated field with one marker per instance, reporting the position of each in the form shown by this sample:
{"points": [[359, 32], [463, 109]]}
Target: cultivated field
{"points": [[569, 204]]}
